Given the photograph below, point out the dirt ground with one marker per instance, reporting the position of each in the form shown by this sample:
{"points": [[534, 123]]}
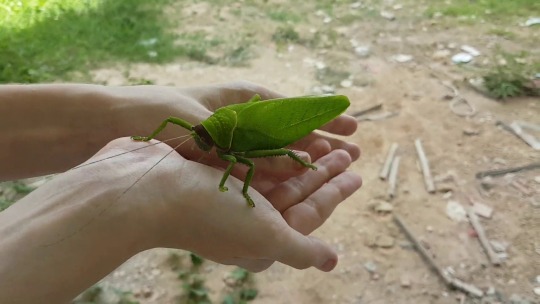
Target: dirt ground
{"points": [[416, 91]]}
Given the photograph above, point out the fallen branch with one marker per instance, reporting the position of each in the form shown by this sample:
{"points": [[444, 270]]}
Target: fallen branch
{"points": [[392, 182], [388, 162], [526, 137], [430, 185], [484, 241], [447, 279], [507, 170], [367, 110]]}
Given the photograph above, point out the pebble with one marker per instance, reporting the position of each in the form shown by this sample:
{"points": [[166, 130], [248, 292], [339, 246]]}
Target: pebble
{"points": [[470, 50], [402, 58], [490, 291], [370, 266], [537, 179], [537, 291], [483, 210], [532, 21], [327, 20], [362, 51], [347, 83], [319, 65], [462, 58], [455, 211], [405, 282], [429, 228], [388, 15], [384, 207], [356, 5], [497, 246], [538, 279], [441, 54], [470, 132], [328, 89]]}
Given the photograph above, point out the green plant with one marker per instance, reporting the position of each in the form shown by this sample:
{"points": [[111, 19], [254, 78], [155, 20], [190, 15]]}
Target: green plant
{"points": [[241, 283], [512, 78], [285, 34]]}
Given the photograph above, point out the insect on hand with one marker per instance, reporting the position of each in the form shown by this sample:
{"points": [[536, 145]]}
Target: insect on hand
{"points": [[259, 129]]}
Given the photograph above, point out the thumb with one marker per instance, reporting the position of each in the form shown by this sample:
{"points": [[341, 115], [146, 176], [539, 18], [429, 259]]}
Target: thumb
{"points": [[300, 251]]}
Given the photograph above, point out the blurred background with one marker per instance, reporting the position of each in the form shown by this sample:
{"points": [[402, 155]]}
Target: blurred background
{"points": [[462, 75]]}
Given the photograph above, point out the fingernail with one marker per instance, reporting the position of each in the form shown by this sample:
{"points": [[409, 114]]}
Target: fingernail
{"points": [[329, 265]]}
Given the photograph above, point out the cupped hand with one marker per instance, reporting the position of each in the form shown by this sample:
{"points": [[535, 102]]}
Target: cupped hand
{"points": [[179, 201], [195, 104]]}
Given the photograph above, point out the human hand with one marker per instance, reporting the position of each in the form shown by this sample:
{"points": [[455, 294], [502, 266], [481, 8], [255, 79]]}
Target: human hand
{"points": [[179, 204], [195, 104]]}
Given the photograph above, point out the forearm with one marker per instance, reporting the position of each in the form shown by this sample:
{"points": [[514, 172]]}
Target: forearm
{"points": [[56, 242], [49, 128]]}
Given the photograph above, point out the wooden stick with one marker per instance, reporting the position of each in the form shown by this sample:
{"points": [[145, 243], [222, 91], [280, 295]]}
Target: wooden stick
{"points": [[378, 116], [526, 137], [508, 170], [392, 182], [367, 110], [449, 281], [428, 180], [475, 222], [388, 162]]}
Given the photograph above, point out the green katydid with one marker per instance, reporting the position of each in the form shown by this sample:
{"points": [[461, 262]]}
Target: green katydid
{"points": [[259, 129]]}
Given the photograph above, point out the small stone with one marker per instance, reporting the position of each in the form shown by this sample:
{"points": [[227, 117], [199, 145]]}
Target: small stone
{"points": [[499, 161], [375, 277], [462, 58], [440, 54], [384, 207], [470, 50], [388, 15], [397, 7], [538, 279], [370, 266], [537, 291], [402, 58], [490, 291], [498, 246], [511, 282], [445, 187], [327, 20], [455, 211], [482, 210], [429, 229], [346, 83], [319, 65], [385, 241], [532, 21], [405, 282], [356, 5], [537, 179], [362, 51], [328, 89], [156, 272], [470, 132]]}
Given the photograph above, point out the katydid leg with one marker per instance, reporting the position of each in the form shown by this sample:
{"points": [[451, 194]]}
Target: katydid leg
{"points": [[278, 152], [174, 120], [233, 159]]}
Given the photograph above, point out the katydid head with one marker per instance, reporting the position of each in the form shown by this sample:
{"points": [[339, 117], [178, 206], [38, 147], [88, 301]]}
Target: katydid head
{"points": [[202, 138]]}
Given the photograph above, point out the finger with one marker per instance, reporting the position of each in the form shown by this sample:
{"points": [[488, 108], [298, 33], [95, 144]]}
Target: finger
{"points": [[299, 188], [301, 252], [220, 95], [315, 210], [352, 149], [342, 125]]}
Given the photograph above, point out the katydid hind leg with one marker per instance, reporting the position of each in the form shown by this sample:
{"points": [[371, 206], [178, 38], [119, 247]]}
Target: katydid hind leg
{"points": [[248, 178], [173, 120], [232, 161], [279, 152]]}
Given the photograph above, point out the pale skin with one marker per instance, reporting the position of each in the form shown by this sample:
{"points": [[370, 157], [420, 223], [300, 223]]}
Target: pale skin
{"points": [[77, 228]]}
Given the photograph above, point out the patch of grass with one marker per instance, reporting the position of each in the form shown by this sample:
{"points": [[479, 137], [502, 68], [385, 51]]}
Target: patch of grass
{"points": [[46, 40], [282, 15], [488, 9], [329, 76], [512, 77], [285, 35], [197, 46], [240, 281], [506, 34], [4, 204]]}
